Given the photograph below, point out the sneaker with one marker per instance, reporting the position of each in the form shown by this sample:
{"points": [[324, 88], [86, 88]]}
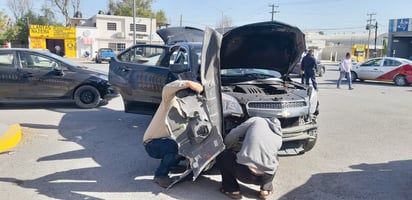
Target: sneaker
{"points": [[163, 181], [351, 88]]}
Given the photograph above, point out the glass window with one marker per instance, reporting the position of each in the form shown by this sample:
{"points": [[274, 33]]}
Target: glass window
{"points": [[373, 63], [111, 26], [7, 60], [391, 63], [139, 27], [37, 61], [146, 55], [117, 46]]}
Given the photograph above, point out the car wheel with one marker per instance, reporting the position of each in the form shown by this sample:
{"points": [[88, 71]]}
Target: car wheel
{"points": [[354, 76], [95, 60], [87, 96], [322, 71], [400, 80]]}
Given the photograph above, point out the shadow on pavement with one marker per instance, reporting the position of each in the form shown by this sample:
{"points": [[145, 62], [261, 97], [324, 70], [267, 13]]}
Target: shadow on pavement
{"points": [[392, 180], [121, 163]]}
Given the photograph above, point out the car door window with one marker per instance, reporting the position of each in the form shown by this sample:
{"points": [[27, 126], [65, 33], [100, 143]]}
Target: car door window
{"points": [[391, 63], [146, 55], [37, 61], [7, 60], [372, 63]]}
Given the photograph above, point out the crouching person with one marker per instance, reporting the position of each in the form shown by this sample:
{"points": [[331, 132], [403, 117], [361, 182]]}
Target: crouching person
{"points": [[157, 140], [255, 161]]}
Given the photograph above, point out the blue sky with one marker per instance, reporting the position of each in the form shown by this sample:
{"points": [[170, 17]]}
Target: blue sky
{"points": [[333, 16]]}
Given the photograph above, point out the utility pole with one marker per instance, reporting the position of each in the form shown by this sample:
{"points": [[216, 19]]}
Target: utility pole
{"points": [[376, 36], [369, 26], [273, 10], [134, 22]]}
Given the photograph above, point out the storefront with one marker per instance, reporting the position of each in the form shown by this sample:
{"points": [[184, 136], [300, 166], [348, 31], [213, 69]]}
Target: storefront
{"points": [[400, 38], [57, 39]]}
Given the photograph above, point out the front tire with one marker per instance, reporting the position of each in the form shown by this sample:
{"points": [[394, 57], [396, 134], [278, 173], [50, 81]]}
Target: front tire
{"points": [[87, 96], [354, 76], [400, 80]]}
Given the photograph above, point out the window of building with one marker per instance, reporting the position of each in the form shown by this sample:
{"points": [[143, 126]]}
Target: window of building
{"points": [[117, 46], [111, 26], [139, 27]]}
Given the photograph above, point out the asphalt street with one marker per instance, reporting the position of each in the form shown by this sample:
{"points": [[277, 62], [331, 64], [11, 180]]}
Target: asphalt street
{"points": [[363, 151]]}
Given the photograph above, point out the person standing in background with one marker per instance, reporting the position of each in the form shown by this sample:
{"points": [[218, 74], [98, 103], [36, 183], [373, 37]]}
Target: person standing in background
{"points": [[310, 68], [345, 68]]}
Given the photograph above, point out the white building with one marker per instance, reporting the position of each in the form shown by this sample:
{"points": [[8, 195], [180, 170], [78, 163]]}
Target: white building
{"points": [[115, 32]]}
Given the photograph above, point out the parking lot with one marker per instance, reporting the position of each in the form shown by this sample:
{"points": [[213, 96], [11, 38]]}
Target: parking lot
{"points": [[363, 151]]}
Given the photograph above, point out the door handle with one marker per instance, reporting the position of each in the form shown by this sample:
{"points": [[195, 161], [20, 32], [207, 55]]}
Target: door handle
{"points": [[125, 69], [375, 69], [27, 75]]}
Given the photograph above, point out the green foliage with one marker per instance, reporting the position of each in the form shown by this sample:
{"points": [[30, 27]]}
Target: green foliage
{"points": [[143, 9]]}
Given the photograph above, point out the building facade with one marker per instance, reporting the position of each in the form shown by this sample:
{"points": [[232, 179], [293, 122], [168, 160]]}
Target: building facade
{"points": [[115, 32], [400, 38]]}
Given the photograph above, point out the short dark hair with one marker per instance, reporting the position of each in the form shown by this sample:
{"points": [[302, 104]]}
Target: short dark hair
{"points": [[347, 54]]}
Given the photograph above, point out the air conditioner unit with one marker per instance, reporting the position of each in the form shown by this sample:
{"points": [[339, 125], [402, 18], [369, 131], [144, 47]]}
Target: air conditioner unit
{"points": [[119, 35]]}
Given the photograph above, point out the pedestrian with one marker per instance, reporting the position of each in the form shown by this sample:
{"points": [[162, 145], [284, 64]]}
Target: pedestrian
{"points": [[252, 160], [345, 70], [310, 68], [157, 139]]}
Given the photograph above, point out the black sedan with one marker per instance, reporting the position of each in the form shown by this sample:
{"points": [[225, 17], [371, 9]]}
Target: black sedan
{"points": [[27, 74]]}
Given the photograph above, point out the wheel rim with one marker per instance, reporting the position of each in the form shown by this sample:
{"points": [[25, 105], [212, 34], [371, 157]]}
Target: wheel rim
{"points": [[87, 97], [400, 80]]}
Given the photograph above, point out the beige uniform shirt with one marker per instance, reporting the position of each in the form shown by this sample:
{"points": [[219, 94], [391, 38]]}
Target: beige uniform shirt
{"points": [[157, 127]]}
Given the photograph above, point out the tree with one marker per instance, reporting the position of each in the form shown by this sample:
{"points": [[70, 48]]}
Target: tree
{"points": [[19, 7], [143, 9], [63, 7]]}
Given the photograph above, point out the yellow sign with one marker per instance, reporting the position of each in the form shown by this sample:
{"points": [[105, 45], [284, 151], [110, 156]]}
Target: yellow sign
{"points": [[54, 32]]}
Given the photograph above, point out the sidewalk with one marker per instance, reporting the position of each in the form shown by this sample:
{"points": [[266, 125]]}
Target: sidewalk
{"points": [[10, 136]]}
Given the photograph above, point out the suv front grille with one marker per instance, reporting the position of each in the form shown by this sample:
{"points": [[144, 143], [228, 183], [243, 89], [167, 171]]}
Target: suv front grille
{"points": [[276, 105]]}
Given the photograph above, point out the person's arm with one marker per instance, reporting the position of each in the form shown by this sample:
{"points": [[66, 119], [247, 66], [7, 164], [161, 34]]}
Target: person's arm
{"points": [[171, 88], [236, 133]]}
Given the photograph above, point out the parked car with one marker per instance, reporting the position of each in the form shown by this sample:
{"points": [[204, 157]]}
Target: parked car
{"points": [[245, 74], [104, 54], [321, 69], [387, 69], [27, 74]]}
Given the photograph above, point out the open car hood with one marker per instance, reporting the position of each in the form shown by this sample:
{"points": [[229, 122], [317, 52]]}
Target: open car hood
{"points": [[266, 45], [175, 35]]}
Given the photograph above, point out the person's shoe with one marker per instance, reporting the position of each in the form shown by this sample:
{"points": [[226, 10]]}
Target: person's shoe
{"points": [[163, 181], [351, 88], [338, 87], [264, 194], [177, 169]]}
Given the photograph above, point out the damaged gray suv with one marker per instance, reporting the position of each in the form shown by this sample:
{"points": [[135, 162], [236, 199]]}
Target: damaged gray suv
{"points": [[245, 73]]}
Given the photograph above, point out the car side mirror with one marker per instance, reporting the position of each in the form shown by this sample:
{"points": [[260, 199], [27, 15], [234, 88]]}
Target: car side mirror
{"points": [[179, 68]]}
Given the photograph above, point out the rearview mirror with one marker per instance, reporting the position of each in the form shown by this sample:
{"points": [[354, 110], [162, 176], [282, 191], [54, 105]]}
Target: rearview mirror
{"points": [[179, 68]]}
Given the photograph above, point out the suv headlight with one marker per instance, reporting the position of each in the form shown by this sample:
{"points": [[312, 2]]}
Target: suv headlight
{"points": [[231, 106]]}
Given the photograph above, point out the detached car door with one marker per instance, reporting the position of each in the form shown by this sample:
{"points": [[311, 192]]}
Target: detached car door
{"points": [[198, 131], [139, 74], [9, 75]]}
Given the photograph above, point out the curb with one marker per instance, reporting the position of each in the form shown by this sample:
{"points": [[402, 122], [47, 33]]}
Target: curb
{"points": [[10, 138]]}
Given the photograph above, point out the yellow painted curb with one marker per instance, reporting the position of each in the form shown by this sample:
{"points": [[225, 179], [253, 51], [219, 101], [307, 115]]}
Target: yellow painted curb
{"points": [[11, 138]]}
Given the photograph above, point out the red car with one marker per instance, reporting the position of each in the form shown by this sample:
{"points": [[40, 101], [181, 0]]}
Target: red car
{"points": [[387, 69]]}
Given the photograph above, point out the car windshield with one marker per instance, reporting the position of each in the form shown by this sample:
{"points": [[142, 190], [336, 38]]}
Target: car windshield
{"points": [[259, 73]]}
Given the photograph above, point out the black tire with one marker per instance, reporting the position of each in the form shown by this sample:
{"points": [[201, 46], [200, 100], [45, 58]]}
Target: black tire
{"points": [[353, 76], [400, 80], [321, 71], [87, 96]]}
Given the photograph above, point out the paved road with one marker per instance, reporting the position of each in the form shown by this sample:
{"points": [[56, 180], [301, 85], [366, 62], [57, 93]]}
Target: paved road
{"points": [[363, 151]]}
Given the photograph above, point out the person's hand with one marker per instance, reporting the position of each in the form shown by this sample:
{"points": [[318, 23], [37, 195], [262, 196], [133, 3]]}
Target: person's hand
{"points": [[194, 86]]}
